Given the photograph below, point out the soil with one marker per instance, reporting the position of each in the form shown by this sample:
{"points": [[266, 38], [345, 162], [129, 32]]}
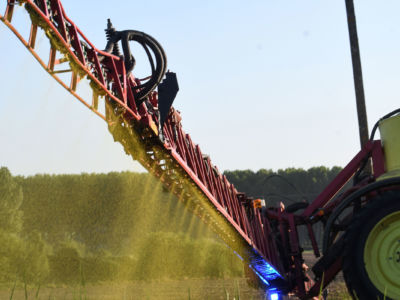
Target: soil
{"points": [[337, 288]]}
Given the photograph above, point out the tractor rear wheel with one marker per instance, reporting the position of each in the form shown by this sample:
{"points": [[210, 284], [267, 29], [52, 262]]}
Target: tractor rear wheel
{"points": [[371, 258]]}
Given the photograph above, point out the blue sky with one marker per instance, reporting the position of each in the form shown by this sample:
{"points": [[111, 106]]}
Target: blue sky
{"points": [[263, 84]]}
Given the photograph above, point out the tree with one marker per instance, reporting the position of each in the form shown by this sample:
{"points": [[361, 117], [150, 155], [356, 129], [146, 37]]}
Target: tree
{"points": [[10, 202]]}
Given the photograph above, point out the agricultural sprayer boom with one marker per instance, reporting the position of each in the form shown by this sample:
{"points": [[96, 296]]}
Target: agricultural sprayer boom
{"points": [[149, 128]]}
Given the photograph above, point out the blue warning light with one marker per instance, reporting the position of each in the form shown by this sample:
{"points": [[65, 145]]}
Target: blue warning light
{"points": [[274, 296]]}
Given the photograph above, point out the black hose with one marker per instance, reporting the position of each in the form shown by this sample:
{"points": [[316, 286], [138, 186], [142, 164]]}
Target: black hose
{"points": [[161, 61], [158, 68], [396, 111], [374, 129], [346, 202]]}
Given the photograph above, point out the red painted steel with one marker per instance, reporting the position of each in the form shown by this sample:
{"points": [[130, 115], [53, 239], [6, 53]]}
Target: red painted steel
{"points": [[177, 152], [344, 176]]}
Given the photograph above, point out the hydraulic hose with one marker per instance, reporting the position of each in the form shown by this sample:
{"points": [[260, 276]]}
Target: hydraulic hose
{"points": [[158, 68], [392, 113]]}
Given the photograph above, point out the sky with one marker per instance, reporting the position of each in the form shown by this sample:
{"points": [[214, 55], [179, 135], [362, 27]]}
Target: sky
{"points": [[263, 83]]}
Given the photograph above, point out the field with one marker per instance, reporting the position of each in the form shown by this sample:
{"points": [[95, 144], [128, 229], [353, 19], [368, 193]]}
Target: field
{"points": [[167, 289], [157, 290], [337, 288]]}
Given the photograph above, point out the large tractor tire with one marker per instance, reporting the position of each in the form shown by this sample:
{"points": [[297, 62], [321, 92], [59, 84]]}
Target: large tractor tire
{"points": [[371, 258]]}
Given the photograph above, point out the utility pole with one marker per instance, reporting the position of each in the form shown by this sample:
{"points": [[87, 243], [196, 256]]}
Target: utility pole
{"points": [[357, 73]]}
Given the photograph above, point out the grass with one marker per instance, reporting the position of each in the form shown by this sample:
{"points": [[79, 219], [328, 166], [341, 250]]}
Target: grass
{"points": [[37, 292], [193, 289], [13, 289]]}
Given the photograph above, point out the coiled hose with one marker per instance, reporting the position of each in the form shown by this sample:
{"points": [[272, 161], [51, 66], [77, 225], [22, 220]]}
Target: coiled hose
{"points": [[158, 68]]}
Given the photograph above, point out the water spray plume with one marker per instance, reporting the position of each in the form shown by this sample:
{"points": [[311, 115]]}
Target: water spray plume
{"points": [[92, 237], [96, 233]]}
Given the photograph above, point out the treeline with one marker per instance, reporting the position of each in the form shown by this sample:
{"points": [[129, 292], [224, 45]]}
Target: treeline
{"points": [[286, 185]]}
